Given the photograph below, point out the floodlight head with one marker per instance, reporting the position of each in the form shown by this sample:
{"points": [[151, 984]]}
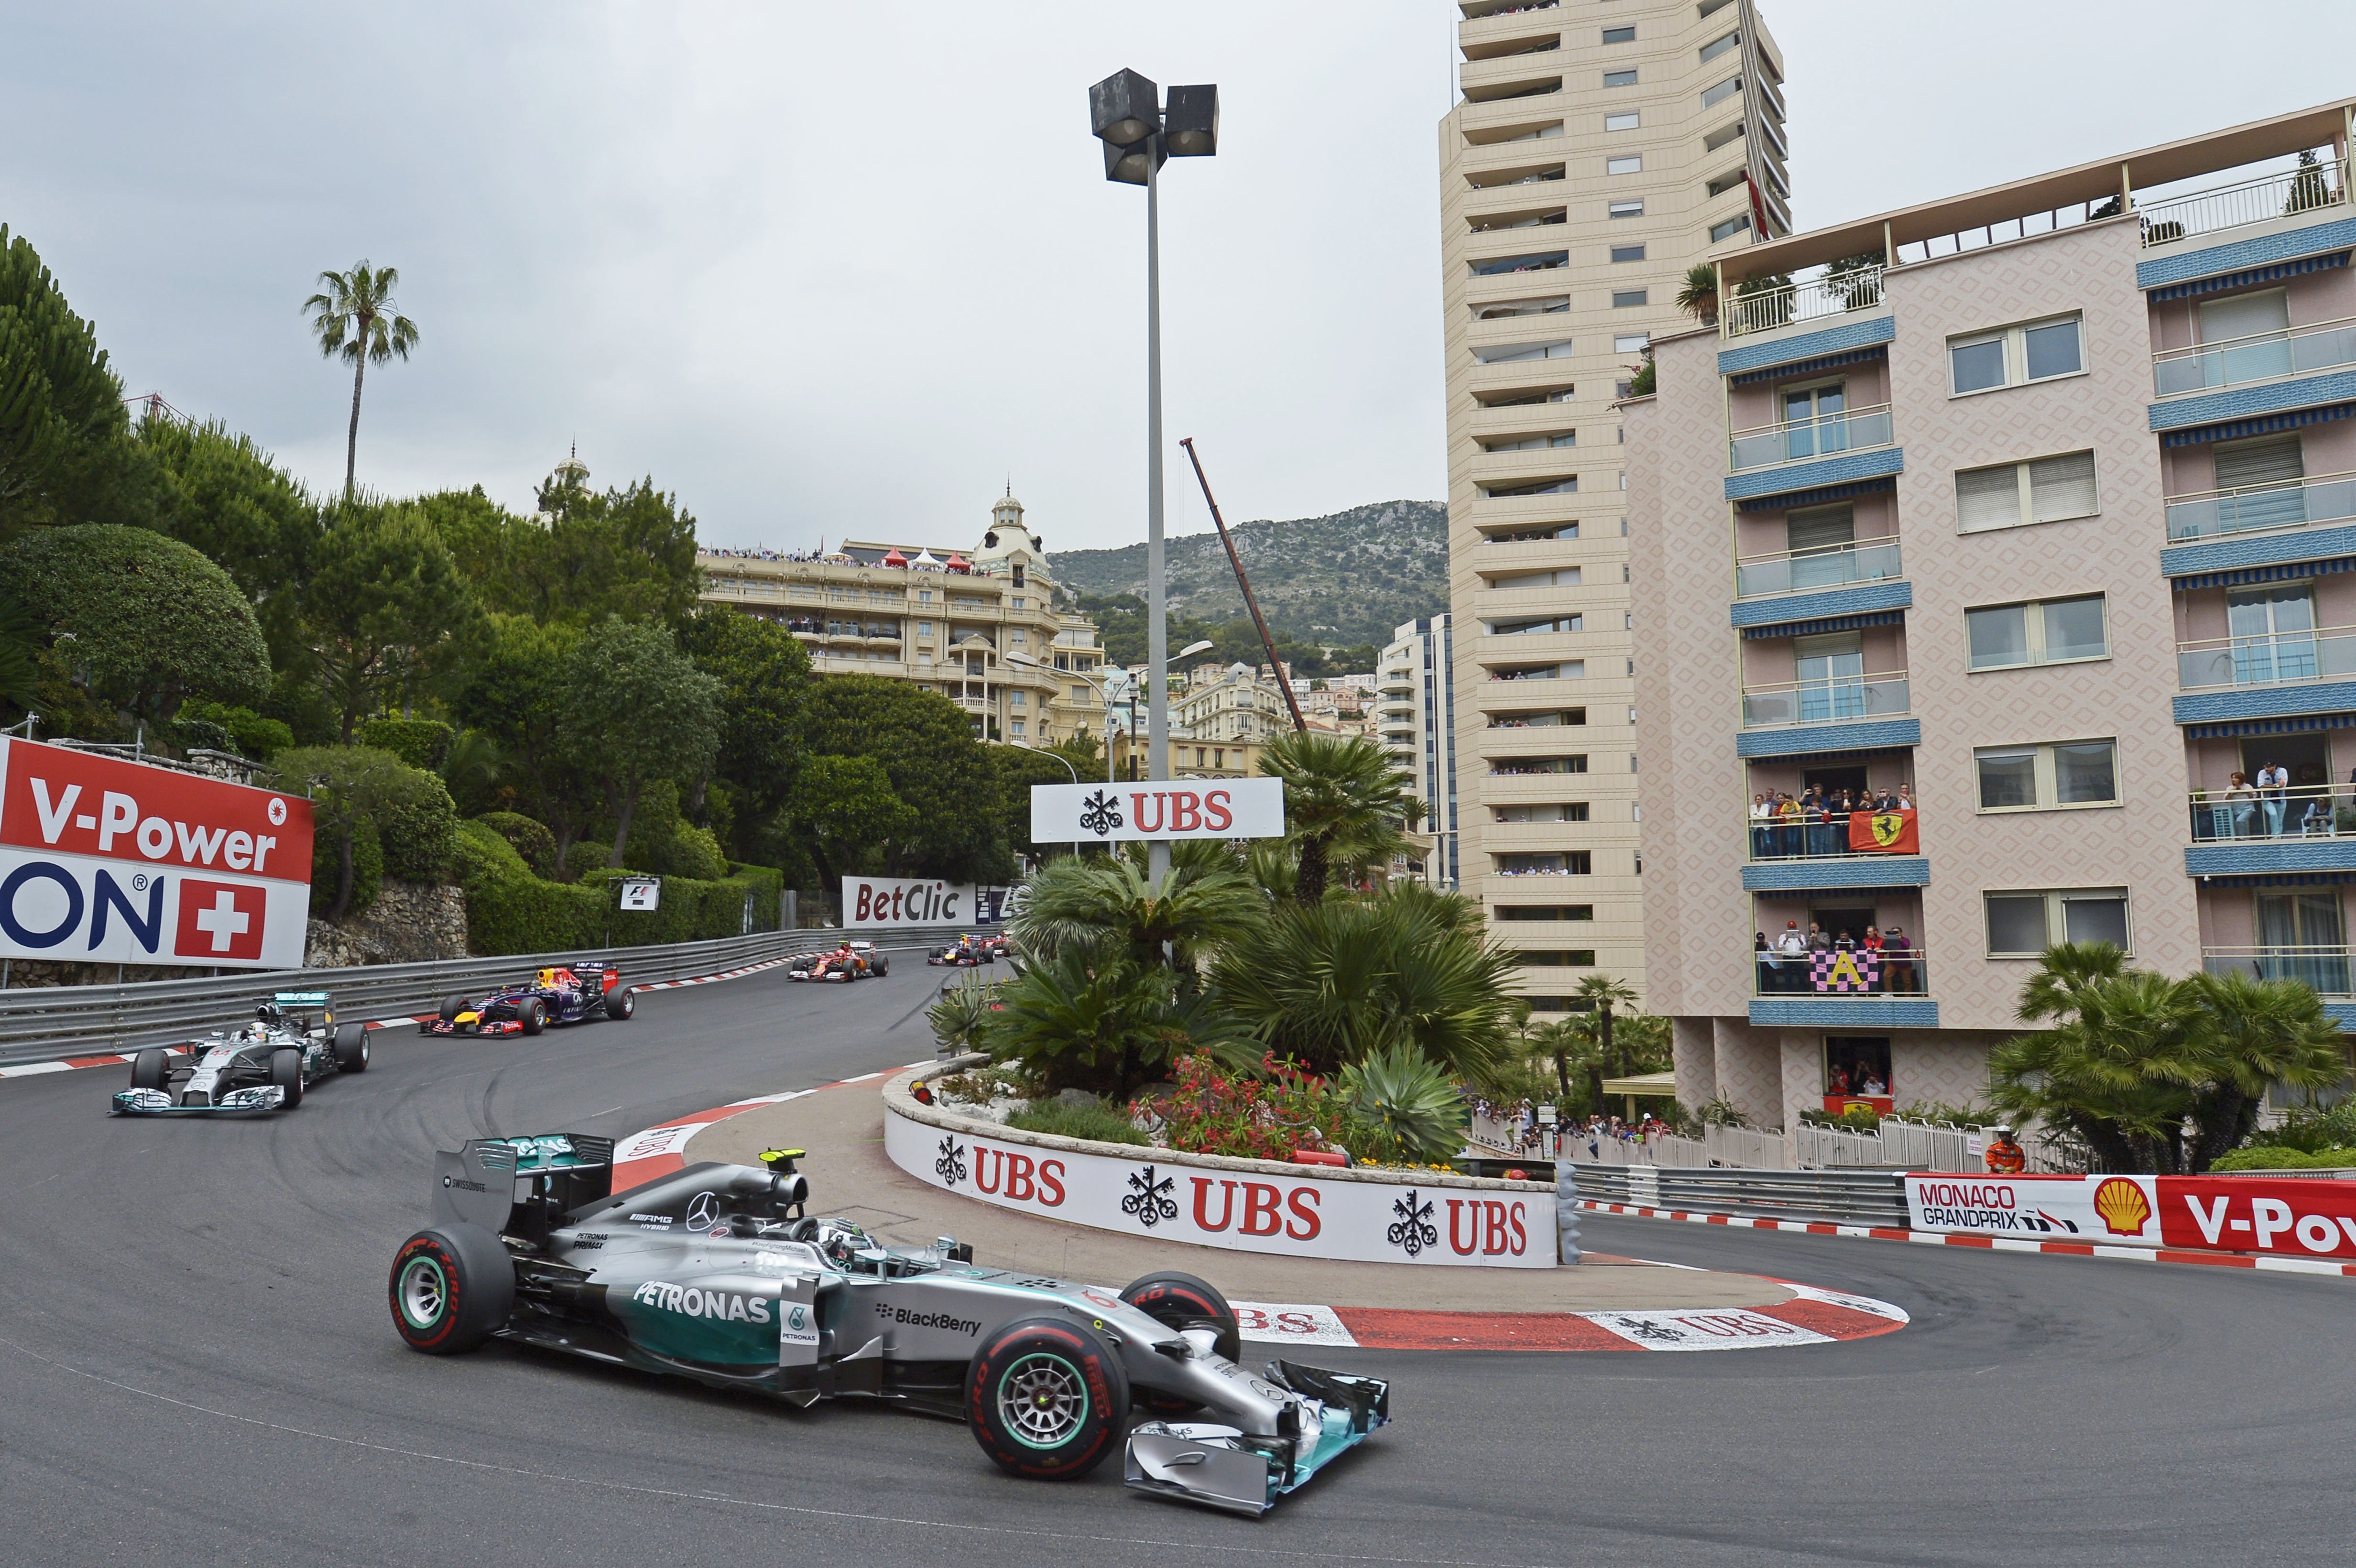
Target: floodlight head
{"points": [[1191, 649], [1192, 125], [1124, 109], [1129, 165]]}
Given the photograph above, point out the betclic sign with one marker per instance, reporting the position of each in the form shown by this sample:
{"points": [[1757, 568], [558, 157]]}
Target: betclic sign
{"points": [[1157, 808], [874, 903], [111, 861]]}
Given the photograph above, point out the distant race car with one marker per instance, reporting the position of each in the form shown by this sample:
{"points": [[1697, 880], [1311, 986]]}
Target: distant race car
{"points": [[564, 994], [851, 961], [292, 1043], [715, 1272], [965, 953]]}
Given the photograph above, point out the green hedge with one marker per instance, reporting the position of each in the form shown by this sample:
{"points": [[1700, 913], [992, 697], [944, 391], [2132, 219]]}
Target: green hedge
{"points": [[2283, 1159], [328, 870], [419, 742], [508, 909], [530, 839]]}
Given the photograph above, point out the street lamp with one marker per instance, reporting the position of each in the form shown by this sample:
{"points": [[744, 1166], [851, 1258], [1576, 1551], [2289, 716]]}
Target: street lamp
{"points": [[1125, 112]]}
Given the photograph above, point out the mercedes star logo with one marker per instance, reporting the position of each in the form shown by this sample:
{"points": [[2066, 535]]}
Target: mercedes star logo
{"points": [[704, 1213]]}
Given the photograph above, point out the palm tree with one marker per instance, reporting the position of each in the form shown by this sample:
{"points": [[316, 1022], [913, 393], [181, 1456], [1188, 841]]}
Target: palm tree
{"points": [[2259, 1033], [1112, 903], [1343, 802], [354, 317], [1598, 994], [2116, 1071], [1698, 295]]}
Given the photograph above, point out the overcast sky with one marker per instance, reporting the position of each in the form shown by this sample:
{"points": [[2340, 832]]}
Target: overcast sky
{"points": [[846, 268]]}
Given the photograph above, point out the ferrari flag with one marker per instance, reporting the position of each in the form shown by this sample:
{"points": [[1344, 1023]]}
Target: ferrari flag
{"points": [[1883, 833]]}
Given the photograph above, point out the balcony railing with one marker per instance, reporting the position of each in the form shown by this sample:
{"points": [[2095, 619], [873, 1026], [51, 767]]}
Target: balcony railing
{"points": [[1852, 430], [2282, 193], [2326, 653], [1810, 299], [1798, 570], [2325, 969], [2259, 509], [1809, 834], [2261, 356], [2306, 810], [1853, 971], [1843, 698]]}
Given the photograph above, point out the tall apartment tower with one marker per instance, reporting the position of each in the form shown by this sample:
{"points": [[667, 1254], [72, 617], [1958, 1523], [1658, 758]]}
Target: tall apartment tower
{"points": [[1600, 149], [2033, 508], [1415, 722]]}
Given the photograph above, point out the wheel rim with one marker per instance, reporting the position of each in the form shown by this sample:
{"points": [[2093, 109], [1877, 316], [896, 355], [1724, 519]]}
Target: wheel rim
{"points": [[424, 1293], [1043, 1400]]}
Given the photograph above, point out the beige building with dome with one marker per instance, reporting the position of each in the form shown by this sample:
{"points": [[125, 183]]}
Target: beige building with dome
{"points": [[961, 621]]}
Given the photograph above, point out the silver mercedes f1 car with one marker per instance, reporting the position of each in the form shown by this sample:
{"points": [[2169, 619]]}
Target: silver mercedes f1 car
{"points": [[292, 1043], [716, 1273]]}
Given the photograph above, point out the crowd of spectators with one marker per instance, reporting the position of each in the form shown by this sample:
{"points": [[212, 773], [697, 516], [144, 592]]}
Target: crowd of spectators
{"points": [[1888, 958], [1815, 822]]}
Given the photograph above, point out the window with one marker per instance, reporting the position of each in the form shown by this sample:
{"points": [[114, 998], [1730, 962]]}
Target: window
{"points": [[2044, 778], [1631, 208], [1546, 912], [1621, 121], [1730, 227], [1015, 637], [1627, 165], [1619, 79], [1568, 811], [1627, 252], [1569, 958], [2053, 631], [2015, 494], [1079, 694], [1550, 623], [1712, 97], [1619, 35], [1015, 725], [1631, 343], [2014, 356], [1535, 487], [924, 628], [1717, 47], [2024, 925], [1014, 700], [1018, 601], [1623, 298]]}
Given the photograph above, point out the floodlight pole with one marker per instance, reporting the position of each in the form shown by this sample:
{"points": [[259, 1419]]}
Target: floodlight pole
{"points": [[1157, 632]]}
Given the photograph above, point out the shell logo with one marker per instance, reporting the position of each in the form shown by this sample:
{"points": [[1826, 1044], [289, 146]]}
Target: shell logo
{"points": [[2122, 1207]]}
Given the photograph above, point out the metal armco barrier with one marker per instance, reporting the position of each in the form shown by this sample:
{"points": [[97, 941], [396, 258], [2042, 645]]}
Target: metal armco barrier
{"points": [[42, 1023], [1845, 1197]]}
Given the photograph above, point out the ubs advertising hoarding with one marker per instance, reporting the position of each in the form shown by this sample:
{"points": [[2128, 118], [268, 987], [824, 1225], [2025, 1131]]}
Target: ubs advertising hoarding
{"points": [[1157, 808], [110, 861], [2286, 1216], [874, 903]]}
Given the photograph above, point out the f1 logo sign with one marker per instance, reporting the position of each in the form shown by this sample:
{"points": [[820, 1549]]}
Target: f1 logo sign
{"points": [[219, 919]]}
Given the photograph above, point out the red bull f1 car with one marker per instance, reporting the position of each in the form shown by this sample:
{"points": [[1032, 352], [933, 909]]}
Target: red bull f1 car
{"points": [[715, 1272], [292, 1043], [564, 994], [969, 952]]}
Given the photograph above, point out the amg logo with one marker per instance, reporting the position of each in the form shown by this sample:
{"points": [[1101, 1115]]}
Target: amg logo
{"points": [[927, 1320], [694, 1301], [652, 1219]]}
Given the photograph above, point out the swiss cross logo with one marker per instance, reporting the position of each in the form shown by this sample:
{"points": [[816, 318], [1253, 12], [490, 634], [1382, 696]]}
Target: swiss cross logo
{"points": [[218, 920]]}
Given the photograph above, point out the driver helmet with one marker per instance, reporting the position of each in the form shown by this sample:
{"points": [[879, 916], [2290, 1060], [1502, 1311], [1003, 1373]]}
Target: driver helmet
{"points": [[267, 1014]]}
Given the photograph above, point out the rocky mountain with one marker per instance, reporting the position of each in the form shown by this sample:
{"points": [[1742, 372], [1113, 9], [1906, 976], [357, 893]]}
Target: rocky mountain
{"points": [[1352, 578]]}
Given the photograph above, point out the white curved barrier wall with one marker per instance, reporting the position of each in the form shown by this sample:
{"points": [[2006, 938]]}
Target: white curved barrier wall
{"points": [[1243, 1205]]}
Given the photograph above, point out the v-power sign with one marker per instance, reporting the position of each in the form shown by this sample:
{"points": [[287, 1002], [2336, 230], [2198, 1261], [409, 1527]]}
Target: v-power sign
{"points": [[107, 860]]}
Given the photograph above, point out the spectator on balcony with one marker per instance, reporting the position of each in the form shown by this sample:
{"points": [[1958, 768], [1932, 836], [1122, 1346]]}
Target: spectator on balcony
{"points": [[1818, 812], [1763, 814], [2241, 808], [1791, 964], [1905, 796], [1789, 832], [2273, 796], [1842, 808], [1897, 960], [2317, 818]]}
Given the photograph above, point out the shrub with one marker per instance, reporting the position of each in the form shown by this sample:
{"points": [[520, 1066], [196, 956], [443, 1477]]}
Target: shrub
{"points": [[695, 852], [419, 829], [2278, 1157], [1400, 1108], [1215, 1111], [419, 742], [530, 839], [585, 856], [2311, 1130], [1062, 1119], [328, 869]]}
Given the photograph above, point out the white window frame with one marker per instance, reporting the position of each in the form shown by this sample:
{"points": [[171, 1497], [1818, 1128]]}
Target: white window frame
{"points": [[1717, 47], [1631, 343], [1630, 299], [2033, 616], [1627, 35], [2048, 791], [1629, 206], [1629, 76], [1627, 119], [2026, 492], [1712, 97], [1629, 164], [1619, 259], [1729, 227], [2015, 353], [2057, 926]]}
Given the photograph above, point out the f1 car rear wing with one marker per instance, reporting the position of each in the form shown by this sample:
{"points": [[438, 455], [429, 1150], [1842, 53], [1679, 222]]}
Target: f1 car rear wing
{"points": [[319, 1002], [522, 1186]]}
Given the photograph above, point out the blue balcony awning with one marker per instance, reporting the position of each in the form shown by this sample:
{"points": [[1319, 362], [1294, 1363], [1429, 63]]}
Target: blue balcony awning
{"points": [[2283, 571], [1821, 362], [2293, 724], [2262, 424], [2285, 879], [1826, 624], [1818, 496], [2243, 279]]}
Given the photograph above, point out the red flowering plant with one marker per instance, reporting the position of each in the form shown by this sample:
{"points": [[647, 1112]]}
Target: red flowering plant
{"points": [[1267, 1116]]}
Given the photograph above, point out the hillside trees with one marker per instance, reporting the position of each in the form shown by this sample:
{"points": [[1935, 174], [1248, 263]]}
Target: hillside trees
{"points": [[637, 711], [65, 452], [383, 606], [924, 744]]}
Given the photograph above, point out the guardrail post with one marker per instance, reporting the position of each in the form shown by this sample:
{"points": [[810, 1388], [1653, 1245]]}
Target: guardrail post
{"points": [[1565, 1207]]}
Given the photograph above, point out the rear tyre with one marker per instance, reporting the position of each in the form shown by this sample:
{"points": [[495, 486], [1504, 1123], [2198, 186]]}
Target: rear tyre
{"points": [[451, 1008], [530, 1015], [1181, 1301], [1047, 1398], [149, 1067], [351, 1047], [620, 1003], [286, 1072], [450, 1288], [883, 965]]}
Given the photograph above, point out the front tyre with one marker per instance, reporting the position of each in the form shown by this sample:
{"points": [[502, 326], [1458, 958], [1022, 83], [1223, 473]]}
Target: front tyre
{"points": [[1046, 1398], [149, 1068], [351, 1047], [286, 1072], [620, 1003], [531, 1014], [1181, 1301], [450, 1288]]}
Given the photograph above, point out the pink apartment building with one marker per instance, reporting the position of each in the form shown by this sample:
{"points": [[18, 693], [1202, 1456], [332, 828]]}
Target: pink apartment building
{"points": [[2037, 506]]}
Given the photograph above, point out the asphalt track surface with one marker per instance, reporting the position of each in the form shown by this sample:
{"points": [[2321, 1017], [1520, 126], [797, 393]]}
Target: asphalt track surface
{"points": [[197, 1366]]}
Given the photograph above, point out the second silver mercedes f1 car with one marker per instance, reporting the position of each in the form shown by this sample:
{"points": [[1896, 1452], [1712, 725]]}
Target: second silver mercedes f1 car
{"points": [[292, 1043], [715, 1272]]}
